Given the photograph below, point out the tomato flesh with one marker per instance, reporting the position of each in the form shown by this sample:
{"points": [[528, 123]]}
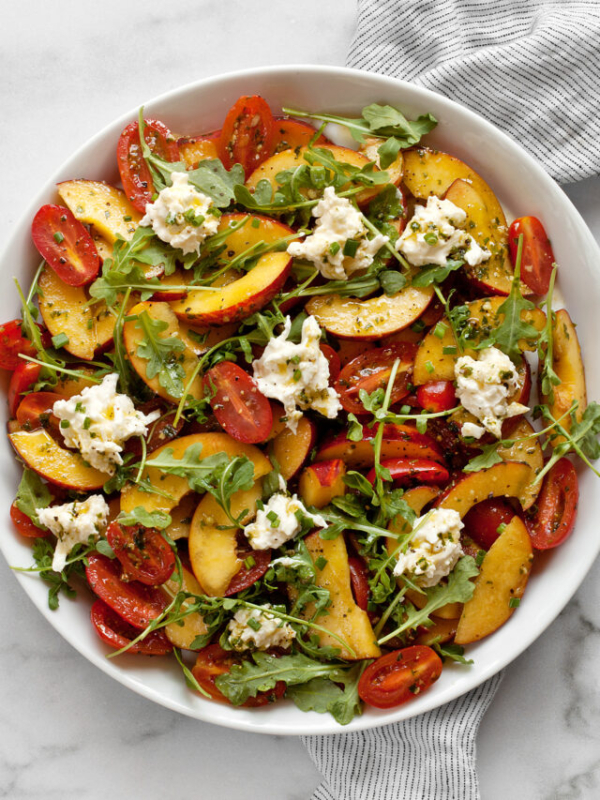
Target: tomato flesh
{"points": [[399, 676], [117, 633], [437, 396], [371, 371], [483, 520], [23, 378], [359, 579], [66, 245], [35, 410], [24, 525], [406, 471], [247, 134], [249, 575], [135, 175], [241, 410], [134, 602], [213, 661], [144, 554], [556, 512], [13, 344], [537, 259]]}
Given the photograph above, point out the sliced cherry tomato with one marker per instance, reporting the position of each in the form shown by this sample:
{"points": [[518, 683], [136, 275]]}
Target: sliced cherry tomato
{"points": [[556, 507], [143, 552], [483, 520], [371, 371], [135, 603], [406, 471], [66, 245], [537, 258], [23, 378], [288, 134], [159, 432], [135, 175], [241, 410], [117, 633], [247, 134], [437, 396], [256, 568], [35, 410], [399, 676], [335, 365], [213, 661], [359, 578], [12, 344], [24, 525]]}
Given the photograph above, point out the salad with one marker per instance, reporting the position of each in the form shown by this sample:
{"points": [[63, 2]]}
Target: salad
{"points": [[296, 415]]}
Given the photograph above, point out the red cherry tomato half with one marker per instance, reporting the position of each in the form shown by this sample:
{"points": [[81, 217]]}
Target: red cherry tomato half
{"points": [[371, 371], [35, 410], [483, 520], [251, 573], [12, 344], [247, 134], [399, 676], [406, 471], [24, 525], [135, 175], [23, 378], [556, 507], [359, 579], [144, 554], [241, 410], [537, 258], [66, 245], [117, 633], [335, 365], [135, 603], [436, 396], [213, 661]]}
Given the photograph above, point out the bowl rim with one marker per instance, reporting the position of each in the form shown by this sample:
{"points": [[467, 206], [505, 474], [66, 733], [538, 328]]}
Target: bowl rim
{"points": [[323, 724]]}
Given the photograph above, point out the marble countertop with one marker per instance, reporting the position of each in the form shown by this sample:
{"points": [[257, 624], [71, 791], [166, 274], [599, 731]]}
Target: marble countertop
{"points": [[66, 729]]}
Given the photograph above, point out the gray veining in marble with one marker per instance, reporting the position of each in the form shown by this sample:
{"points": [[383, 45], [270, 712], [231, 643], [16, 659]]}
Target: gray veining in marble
{"points": [[67, 730]]}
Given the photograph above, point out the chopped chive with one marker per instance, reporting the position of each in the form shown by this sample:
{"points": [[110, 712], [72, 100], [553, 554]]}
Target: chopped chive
{"points": [[334, 248], [429, 367], [255, 223], [60, 340], [351, 247], [450, 350], [321, 563], [249, 562], [440, 330], [58, 237], [514, 602]]}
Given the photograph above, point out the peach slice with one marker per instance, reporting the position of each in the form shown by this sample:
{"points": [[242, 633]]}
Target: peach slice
{"points": [[442, 630], [213, 549], [70, 385], [172, 487], [345, 618], [399, 441], [496, 274], [193, 149], [350, 318], [64, 309], [431, 172], [433, 364], [291, 450], [321, 482], [249, 293], [503, 577], [509, 479], [55, 463], [183, 635], [527, 452], [291, 159], [568, 365], [102, 206], [181, 518], [133, 336]]}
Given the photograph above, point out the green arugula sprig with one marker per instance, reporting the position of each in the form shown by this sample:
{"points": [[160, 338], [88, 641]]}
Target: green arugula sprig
{"points": [[163, 354], [381, 122], [548, 377]]}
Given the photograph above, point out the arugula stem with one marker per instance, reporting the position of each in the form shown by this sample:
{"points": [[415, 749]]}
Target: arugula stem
{"points": [[388, 245], [63, 370], [387, 613]]}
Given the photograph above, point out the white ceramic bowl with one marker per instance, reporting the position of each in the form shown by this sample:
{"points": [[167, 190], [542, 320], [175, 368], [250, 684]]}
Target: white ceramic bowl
{"points": [[523, 188]]}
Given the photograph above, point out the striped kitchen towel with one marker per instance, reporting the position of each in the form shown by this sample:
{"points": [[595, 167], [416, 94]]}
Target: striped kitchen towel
{"points": [[532, 67], [429, 757]]}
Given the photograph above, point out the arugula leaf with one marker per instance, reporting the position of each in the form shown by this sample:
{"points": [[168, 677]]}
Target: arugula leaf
{"points": [[58, 582], [148, 519], [264, 670], [392, 281], [548, 377], [32, 494], [162, 353], [451, 652], [486, 459], [355, 428], [212, 179], [433, 273], [323, 695]]}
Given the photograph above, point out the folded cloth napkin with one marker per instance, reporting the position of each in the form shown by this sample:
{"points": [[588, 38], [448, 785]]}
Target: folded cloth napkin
{"points": [[532, 67], [429, 757]]}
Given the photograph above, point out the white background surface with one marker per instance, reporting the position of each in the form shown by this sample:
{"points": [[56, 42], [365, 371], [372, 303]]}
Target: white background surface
{"points": [[66, 730]]}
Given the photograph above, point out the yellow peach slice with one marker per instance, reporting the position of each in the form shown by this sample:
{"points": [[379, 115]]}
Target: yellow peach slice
{"points": [[182, 634], [102, 206], [509, 479]]}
